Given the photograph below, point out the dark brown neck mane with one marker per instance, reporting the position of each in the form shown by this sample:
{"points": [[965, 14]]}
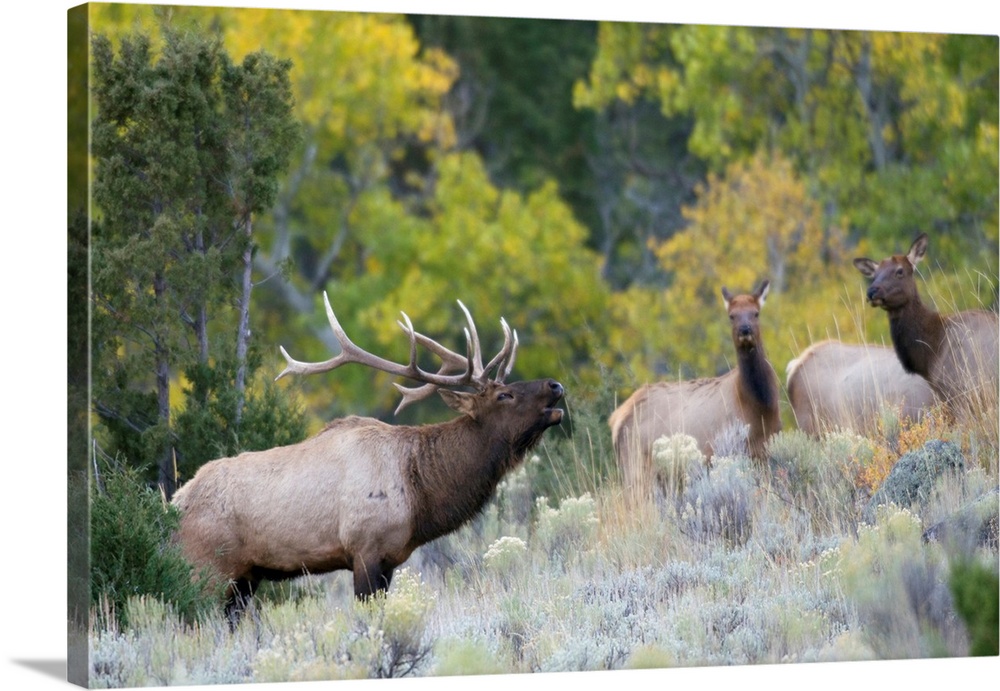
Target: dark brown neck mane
{"points": [[757, 380], [455, 472], [917, 334]]}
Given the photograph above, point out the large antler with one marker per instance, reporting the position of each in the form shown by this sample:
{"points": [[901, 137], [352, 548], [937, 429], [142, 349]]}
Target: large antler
{"points": [[470, 366]]}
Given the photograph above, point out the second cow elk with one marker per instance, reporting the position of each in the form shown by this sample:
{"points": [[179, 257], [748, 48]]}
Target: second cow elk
{"points": [[361, 494], [834, 385], [702, 408], [956, 353]]}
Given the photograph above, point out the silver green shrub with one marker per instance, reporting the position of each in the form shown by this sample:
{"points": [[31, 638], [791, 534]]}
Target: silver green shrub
{"points": [[506, 559], [717, 503], [675, 457], [898, 585], [814, 475], [571, 527]]}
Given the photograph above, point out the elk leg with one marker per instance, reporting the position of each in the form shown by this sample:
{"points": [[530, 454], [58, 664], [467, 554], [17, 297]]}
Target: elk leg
{"points": [[370, 577], [240, 595]]}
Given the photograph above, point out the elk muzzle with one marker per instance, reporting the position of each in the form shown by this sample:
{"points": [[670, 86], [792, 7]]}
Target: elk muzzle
{"points": [[553, 415], [744, 335], [875, 296]]}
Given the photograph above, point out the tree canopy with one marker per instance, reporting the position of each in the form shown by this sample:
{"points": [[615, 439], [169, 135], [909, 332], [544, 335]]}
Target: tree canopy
{"points": [[188, 147], [594, 183]]}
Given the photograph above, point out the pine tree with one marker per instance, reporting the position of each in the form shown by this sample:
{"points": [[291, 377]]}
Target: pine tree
{"points": [[188, 147]]}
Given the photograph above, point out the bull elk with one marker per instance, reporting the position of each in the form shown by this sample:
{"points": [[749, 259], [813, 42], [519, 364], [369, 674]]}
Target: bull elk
{"points": [[703, 407], [955, 353], [835, 385], [361, 494]]}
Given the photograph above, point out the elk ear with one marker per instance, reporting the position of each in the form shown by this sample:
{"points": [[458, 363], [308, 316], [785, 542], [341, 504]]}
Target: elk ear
{"points": [[867, 267], [460, 401], [727, 296], [918, 249], [761, 292]]}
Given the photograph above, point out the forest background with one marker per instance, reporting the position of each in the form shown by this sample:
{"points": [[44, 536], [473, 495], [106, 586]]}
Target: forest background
{"points": [[594, 183]]}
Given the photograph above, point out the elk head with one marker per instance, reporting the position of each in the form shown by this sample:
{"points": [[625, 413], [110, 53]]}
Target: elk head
{"points": [[530, 403], [892, 284], [517, 412], [744, 316]]}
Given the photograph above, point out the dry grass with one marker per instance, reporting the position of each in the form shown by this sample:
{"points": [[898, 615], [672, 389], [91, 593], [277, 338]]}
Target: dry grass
{"points": [[567, 569], [737, 565]]}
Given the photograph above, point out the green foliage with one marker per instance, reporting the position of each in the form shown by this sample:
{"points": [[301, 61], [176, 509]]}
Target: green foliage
{"points": [[899, 587], [698, 157], [577, 456], [465, 657], [206, 427], [976, 590], [131, 548], [397, 200], [188, 148], [876, 121], [518, 74], [501, 253], [817, 475], [392, 626]]}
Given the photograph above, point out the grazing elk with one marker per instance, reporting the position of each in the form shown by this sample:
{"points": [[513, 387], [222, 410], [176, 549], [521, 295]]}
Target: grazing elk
{"points": [[362, 494], [702, 408], [834, 385], [956, 354]]}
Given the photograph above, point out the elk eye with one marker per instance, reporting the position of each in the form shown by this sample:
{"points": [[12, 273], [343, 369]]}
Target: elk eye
{"points": [[504, 396], [899, 272], [756, 314]]}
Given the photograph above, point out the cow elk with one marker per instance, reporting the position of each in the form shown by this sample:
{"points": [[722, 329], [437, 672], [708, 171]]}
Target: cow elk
{"points": [[361, 494], [834, 385], [956, 353], [704, 407]]}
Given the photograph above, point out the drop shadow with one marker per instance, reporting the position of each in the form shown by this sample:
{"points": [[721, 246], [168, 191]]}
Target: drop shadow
{"points": [[50, 668]]}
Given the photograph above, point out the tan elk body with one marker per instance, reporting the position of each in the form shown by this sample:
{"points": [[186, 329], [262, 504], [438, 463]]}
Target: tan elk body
{"points": [[363, 494], [834, 385], [956, 353], [703, 407]]}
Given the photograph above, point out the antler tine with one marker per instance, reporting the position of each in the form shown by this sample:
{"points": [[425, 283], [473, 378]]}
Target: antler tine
{"points": [[471, 362], [414, 394], [469, 367], [447, 356], [296, 367], [472, 345], [505, 352], [505, 358], [408, 328], [509, 366], [349, 352]]}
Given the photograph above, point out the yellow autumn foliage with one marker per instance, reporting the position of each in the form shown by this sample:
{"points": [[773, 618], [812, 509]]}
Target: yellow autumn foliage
{"points": [[755, 222]]}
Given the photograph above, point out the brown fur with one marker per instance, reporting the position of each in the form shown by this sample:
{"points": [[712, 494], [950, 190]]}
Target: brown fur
{"points": [[359, 495], [957, 354], [834, 385], [703, 407]]}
